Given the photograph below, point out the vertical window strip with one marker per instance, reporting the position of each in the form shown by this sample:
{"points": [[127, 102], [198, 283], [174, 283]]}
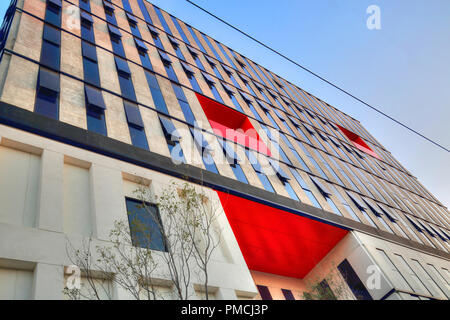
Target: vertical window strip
{"points": [[87, 29], [95, 110], [197, 60], [344, 203], [143, 55], [305, 188], [173, 140], [109, 12], [235, 102], [233, 160], [90, 64], [194, 35], [215, 93], [144, 11], [48, 86], [162, 20], [94, 102], [259, 171], [226, 55], [135, 125], [177, 49], [265, 76], [158, 98], [205, 150], [255, 113], [184, 104], [126, 6], [132, 21], [180, 30], [116, 41], [313, 161], [155, 37], [296, 154], [137, 133], [233, 80], [205, 37]]}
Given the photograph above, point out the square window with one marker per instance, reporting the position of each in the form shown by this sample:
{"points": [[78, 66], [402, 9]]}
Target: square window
{"points": [[94, 99], [208, 78], [122, 67], [140, 45], [133, 115], [131, 18], [108, 6], [52, 35], [114, 32], [153, 31], [174, 42], [55, 3], [170, 132], [145, 225], [187, 68], [164, 57], [89, 51], [50, 55], [86, 18], [48, 82], [228, 88]]}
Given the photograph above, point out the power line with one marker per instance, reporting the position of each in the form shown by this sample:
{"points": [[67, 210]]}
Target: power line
{"points": [[320, 77]]}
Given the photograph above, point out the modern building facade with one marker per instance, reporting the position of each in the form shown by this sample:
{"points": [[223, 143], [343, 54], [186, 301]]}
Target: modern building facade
{"points": [[96, 96]]}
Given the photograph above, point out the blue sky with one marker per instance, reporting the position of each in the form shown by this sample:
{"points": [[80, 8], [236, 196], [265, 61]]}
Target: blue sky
{"points": [[403, 68]]}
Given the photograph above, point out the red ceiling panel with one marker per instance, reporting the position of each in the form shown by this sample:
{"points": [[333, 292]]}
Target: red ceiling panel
{"points": [[358, 142], [278, 242], [232, 125]]}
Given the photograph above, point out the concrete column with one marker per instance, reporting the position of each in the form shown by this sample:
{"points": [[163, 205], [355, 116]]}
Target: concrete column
{"points": [[50, 201], [107, 201], [48, 282]]}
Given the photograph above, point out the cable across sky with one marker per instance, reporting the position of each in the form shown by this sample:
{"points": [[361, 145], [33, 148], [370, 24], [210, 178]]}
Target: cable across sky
{"points": [[320, 77]]}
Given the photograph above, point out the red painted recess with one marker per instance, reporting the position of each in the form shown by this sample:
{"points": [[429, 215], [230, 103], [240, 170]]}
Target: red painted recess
{"points": [[278, 242], [358, 142], [232, 125]]}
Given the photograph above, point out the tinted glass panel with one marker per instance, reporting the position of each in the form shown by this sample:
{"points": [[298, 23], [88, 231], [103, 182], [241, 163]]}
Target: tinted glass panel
{"points": [[145, 225], [354, 282]]}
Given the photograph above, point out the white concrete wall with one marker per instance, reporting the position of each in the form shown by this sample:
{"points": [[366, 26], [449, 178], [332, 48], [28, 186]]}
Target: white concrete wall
{"points": [[15, 284], [77, 200], [431, 270], [19, 185]]}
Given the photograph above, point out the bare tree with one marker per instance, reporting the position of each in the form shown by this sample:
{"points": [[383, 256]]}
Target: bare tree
{"points": [[117, 262], [203, 230], [186, 223], [332, 287]]}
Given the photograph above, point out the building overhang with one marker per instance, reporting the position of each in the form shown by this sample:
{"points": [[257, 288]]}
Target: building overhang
{"points": [[276, 241]]}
